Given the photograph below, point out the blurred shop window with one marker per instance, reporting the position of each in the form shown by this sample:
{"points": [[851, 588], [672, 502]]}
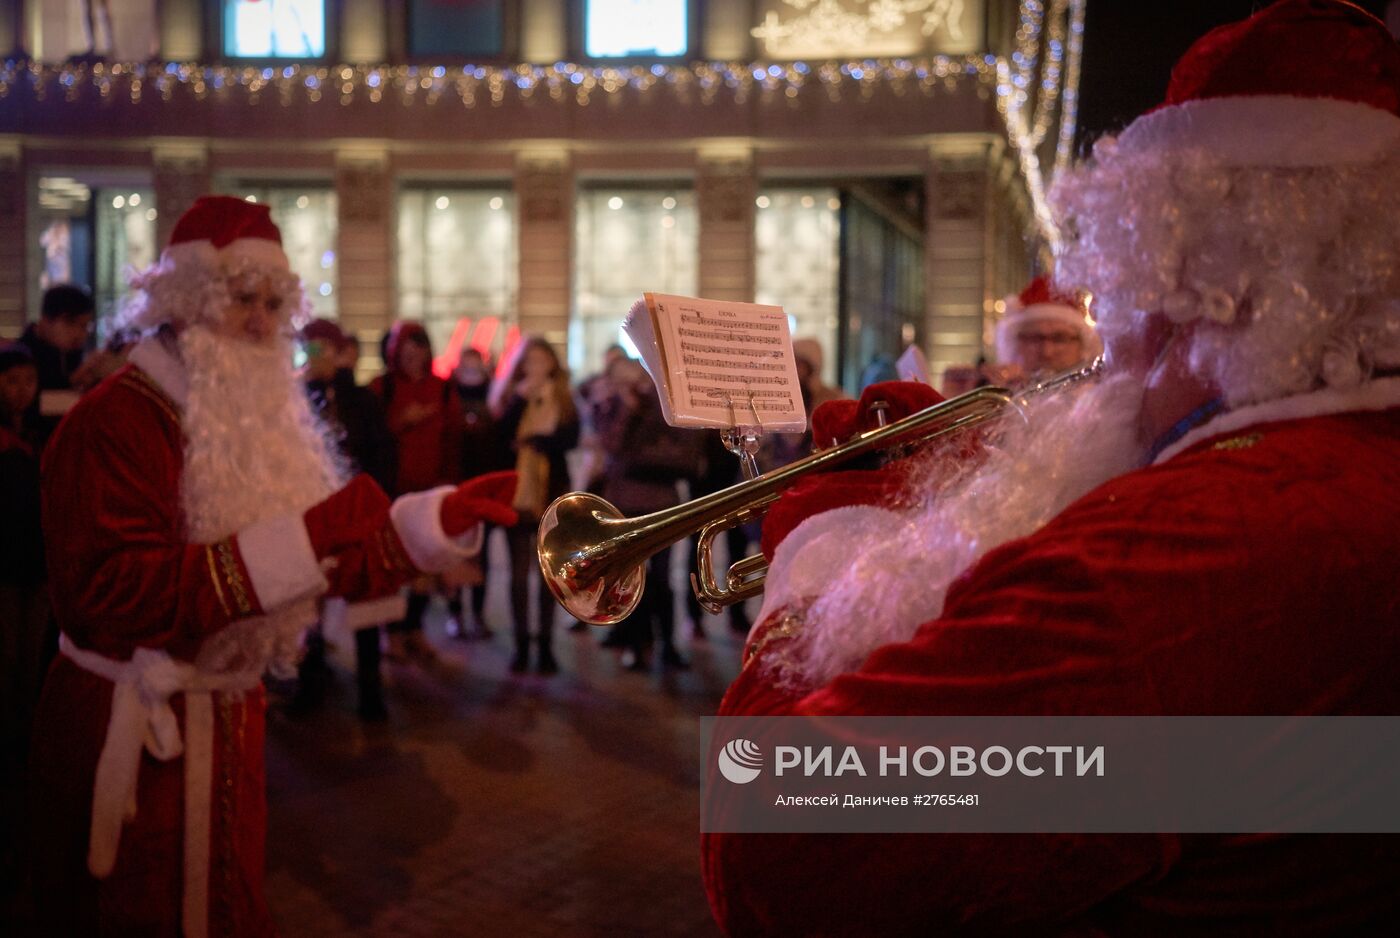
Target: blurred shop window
{"points": [[306, 215], [628, 241], [277, 29], [797, 235], [457, 260], [93, 236], [126, 241], [467, 29], [625, 28], [117, 30]]}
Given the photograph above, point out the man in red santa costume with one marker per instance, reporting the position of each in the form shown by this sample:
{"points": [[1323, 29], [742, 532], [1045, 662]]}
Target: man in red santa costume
{"points": [[1046, 331], [194, 512], [1211, 529]]}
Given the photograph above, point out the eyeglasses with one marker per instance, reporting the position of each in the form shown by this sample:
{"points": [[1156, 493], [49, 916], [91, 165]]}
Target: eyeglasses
{"points": [[1047, 338]]}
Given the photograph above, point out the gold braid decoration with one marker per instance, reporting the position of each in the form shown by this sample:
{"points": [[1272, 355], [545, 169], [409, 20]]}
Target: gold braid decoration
{"points": [[1239, 442], [233, 576], [788, 626]]}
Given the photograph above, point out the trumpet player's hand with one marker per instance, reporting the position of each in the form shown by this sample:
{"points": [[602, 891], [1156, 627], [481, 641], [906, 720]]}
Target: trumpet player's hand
{"points": [[485, 498]]}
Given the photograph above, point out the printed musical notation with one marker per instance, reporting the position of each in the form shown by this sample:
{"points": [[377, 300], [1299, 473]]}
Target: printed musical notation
{"points": [[727, 362], [729, 336], [721, 362], [699, 320], [737, 384]]}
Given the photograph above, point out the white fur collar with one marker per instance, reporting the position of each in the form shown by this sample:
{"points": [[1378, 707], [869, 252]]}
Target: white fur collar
{"points": [[158, 360], [1381, 394]]}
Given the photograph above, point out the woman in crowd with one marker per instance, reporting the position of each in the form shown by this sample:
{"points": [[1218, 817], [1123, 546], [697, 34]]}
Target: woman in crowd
{"points": [[537, 420], [425, 418], [481, 453], [647, 458]]}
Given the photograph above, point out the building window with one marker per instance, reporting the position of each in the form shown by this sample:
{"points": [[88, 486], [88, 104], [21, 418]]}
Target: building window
{"points": [[797, 238], [306, 216], [457, 267], [466, 29], [626, 28], [278, 29], [627, 242], [93, 236]]}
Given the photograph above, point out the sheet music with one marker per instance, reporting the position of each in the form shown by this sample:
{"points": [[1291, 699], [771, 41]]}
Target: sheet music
{"points": [[720, 364]]}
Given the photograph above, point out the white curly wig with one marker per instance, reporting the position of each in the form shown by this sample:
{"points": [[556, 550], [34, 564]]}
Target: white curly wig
{"points": [[192, 288], [1294, 272]]}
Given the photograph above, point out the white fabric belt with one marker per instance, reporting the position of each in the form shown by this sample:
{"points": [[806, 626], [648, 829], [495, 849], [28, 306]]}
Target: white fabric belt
{"points": [[142, 718]]}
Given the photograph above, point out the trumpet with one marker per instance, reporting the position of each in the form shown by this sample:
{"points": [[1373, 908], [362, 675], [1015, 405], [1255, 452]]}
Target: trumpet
{"points": [[594, 559]]}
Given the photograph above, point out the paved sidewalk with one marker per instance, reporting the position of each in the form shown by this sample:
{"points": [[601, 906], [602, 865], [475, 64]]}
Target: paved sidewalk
{"points": [[496, 804]]}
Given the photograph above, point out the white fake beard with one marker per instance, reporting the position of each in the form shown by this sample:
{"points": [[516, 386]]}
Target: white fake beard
{"points": [[253, 450], [860, 578]]}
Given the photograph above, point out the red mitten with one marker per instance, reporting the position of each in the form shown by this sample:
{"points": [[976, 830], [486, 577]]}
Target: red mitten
{"points": [[347, 517], [485, 498], [837, 421]]}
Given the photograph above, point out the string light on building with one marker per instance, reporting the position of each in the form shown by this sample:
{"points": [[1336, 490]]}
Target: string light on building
{"points": [[1031, 100]]}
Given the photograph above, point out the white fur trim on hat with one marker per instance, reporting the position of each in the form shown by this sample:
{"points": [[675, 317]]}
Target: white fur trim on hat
{"points": [[281, 562], [259, 251], [1268, 130], [417, 519], [1016, 316]]}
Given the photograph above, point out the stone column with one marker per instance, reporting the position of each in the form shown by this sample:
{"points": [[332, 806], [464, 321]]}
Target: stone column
{"points": [[724, 30], [726, 185], [957, 269], [363, 31], [544, 31], [182, 30], [14, 266], [180, 171], [12, 37], [365, 249], [544, 192]]}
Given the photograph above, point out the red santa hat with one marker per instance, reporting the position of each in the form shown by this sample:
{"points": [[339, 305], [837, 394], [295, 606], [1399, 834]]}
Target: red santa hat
{"points": [[1041, 301], [221, 230], [1315, 82]]}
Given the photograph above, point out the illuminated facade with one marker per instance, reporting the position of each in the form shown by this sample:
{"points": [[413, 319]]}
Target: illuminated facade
{"points": [[876, 168]]}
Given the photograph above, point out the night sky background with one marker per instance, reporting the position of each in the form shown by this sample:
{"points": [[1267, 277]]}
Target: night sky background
{"points": [[1130, 47]]}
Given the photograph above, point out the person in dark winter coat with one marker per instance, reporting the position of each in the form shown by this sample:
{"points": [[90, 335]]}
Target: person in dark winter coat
{"points": [[536, 420]]}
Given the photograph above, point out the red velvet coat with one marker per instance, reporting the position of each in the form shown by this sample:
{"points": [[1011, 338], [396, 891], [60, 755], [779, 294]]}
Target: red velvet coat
{"points": [[1253, 573], [125, 576]]}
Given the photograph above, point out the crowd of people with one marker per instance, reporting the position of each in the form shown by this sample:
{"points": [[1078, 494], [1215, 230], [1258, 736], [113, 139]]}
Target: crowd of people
{"points": [[1208, 529]]}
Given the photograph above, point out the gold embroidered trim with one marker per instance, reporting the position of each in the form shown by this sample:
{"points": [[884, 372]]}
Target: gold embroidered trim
{"points": [[392, 552], [787, 627], [1239, 442], [214, 575], [233, 576]]}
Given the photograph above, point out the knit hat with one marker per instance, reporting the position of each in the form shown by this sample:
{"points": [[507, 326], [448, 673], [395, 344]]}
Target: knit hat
{"points": [[405, 330], [1315, 82], [326, 332], [1259, 201], [1040, 301], [13, 355]]}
